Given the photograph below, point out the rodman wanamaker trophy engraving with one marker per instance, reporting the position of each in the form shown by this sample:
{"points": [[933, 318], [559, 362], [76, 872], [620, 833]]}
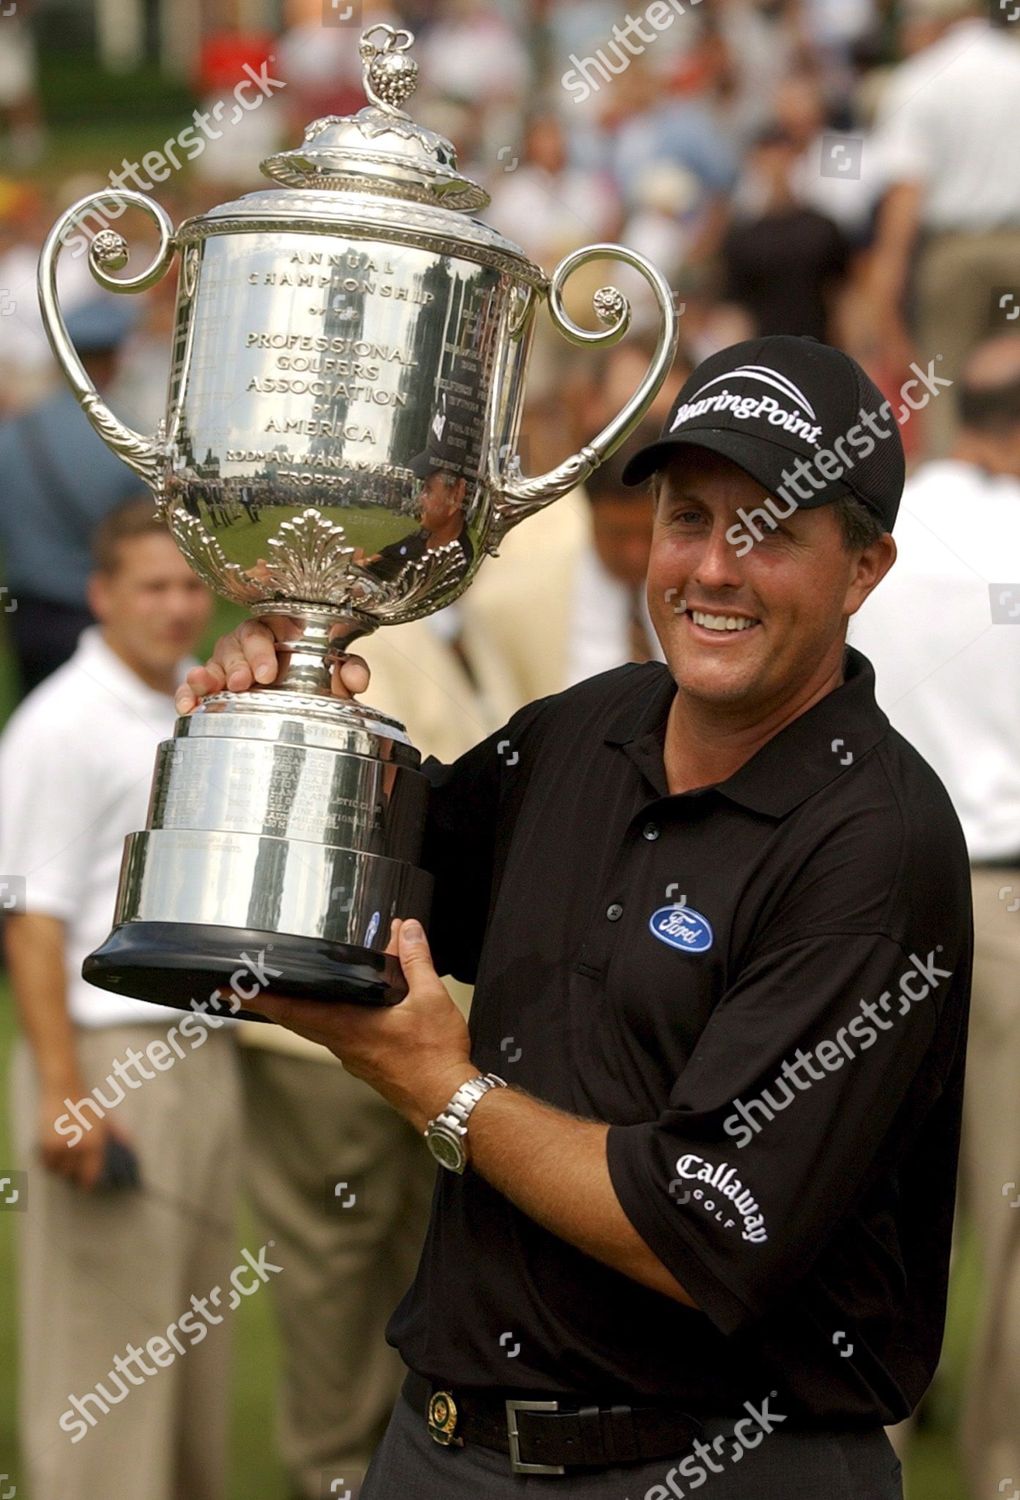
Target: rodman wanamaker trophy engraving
{"points": [[339, 447]]}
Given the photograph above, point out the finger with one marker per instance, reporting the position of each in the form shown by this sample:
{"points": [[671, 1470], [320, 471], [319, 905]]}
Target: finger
{"points": [[57, 1157], [198, 684], [258, 648], [352, 676], [238, 654], [393, 946], [232, 661], [264, 1005], [415, 955], [303, 1016], [283, 627], [88, 1170], [67, 1166]]}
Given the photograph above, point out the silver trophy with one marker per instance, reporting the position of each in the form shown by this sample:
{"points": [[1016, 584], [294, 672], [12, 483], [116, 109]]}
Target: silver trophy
{"points": [[342, 417]]}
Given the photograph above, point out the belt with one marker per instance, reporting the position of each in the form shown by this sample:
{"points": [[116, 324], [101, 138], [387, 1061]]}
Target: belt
{"points": [[1000, 862], [547, 1437]]}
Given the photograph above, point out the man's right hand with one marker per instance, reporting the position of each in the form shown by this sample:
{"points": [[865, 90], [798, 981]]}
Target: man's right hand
{"points": [[81, 1161], [247, 658]]}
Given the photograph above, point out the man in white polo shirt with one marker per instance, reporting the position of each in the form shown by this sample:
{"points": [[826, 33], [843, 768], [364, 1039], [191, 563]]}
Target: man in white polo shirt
{"points": [[125, 1115], [943, 634], [945, 150]]}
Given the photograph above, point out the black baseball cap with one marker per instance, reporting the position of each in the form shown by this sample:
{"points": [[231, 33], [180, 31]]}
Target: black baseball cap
{"points": [[799, 416]]}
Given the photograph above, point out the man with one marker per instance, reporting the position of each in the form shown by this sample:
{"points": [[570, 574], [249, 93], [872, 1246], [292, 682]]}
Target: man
{"points": [[567, 597], [124, 1114], [560, 613], [721, 913], [945, 147], [442, 520], [440, 469], [784, 263], [951, 688], [60, 480]]}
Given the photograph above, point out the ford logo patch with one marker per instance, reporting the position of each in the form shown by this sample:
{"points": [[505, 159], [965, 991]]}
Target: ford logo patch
{"points": [[682, 927]]}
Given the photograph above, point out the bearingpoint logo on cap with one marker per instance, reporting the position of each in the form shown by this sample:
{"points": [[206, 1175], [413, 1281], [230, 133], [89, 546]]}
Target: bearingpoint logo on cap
{"points": [[750, 408]]}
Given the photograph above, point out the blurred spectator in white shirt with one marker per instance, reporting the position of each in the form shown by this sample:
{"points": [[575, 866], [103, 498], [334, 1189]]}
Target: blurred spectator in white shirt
{"points": [[472, 54], [943, 634], [945, 146], [848, 198], [546, 205], [321, 62]]}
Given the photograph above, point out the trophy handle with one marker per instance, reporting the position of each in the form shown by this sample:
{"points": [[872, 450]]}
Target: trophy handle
{"points": [[515, 496], [108, 251]]}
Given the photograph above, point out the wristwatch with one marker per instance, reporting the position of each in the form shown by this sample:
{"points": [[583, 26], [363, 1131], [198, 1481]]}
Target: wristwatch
{"points": [[446, 1135]]}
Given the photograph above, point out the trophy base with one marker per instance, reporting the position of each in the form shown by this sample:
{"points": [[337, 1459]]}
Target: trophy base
{"points": [[185, 964]]}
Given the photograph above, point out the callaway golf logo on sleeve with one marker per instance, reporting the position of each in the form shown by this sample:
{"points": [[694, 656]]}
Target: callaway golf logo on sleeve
{"points": [[719, 1190]]}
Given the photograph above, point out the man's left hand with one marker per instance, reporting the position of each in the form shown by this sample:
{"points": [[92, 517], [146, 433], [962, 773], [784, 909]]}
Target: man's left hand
{"points": [[415, 1054]]}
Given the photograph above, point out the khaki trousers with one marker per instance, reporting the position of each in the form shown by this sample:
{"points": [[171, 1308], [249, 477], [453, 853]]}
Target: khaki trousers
{"points": [[310, 1125], [99, 1271], [991, 1184], [960, 280]]}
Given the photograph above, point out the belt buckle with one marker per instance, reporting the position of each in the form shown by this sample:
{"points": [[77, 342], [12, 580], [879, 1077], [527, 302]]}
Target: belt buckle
{"points": [[516, 1467], [441, 1419]]}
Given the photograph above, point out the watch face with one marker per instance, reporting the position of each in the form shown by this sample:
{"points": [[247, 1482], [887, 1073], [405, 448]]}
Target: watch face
{"points": [[447, 1151]]}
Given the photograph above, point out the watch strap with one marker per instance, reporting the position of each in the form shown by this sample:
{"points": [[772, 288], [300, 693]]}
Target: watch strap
{"points": [[454, 1118]]}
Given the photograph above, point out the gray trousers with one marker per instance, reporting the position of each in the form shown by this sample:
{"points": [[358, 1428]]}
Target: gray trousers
{"points": [[824, 1465]]}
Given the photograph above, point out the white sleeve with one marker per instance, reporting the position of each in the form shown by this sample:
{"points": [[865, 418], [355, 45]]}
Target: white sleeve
{"points": [[47, 810], [901, 145]]}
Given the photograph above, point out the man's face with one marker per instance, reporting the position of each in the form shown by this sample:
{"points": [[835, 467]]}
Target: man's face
{"points": [[153, 606], [441, 496], [792, 590]]}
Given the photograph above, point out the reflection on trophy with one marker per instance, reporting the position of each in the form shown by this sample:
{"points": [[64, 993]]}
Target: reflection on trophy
{"points": [[346, 386], [443, 477]]}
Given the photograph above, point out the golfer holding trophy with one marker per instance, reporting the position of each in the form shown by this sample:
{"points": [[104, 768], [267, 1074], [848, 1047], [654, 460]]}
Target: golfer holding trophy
{"points": [[642, 1273]]}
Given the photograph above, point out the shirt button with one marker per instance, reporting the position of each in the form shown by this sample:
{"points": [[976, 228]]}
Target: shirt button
{"points": [[614, 912], [651, 830]]}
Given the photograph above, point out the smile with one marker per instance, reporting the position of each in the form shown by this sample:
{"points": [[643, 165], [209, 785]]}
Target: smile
{"points": [[721, 624]]}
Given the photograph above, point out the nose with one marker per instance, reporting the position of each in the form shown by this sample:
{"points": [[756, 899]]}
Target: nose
{"points": [[718, 565]]}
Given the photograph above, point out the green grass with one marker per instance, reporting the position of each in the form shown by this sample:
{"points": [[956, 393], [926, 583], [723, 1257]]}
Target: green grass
{"points": [[246, 541]]}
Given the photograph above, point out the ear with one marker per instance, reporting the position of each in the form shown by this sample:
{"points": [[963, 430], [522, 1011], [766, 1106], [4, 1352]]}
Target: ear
{"points": [[97, 595], [873, 564]]}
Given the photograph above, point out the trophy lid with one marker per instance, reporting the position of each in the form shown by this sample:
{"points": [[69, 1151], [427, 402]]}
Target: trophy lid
{"points": [[380, 149]]}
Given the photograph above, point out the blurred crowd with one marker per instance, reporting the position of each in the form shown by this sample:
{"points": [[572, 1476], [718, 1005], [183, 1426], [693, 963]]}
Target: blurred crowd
{"points": [[844, 169]]}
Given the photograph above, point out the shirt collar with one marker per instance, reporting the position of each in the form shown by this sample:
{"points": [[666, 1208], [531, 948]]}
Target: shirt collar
{"points": [[815, 749]]}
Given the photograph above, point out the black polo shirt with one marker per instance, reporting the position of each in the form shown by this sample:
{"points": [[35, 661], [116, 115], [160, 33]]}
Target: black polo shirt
{"points": [[392, 558], [697, 971]]}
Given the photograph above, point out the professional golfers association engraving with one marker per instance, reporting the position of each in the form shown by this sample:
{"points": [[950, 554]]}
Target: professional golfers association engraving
{"points": [[339, 449]]}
